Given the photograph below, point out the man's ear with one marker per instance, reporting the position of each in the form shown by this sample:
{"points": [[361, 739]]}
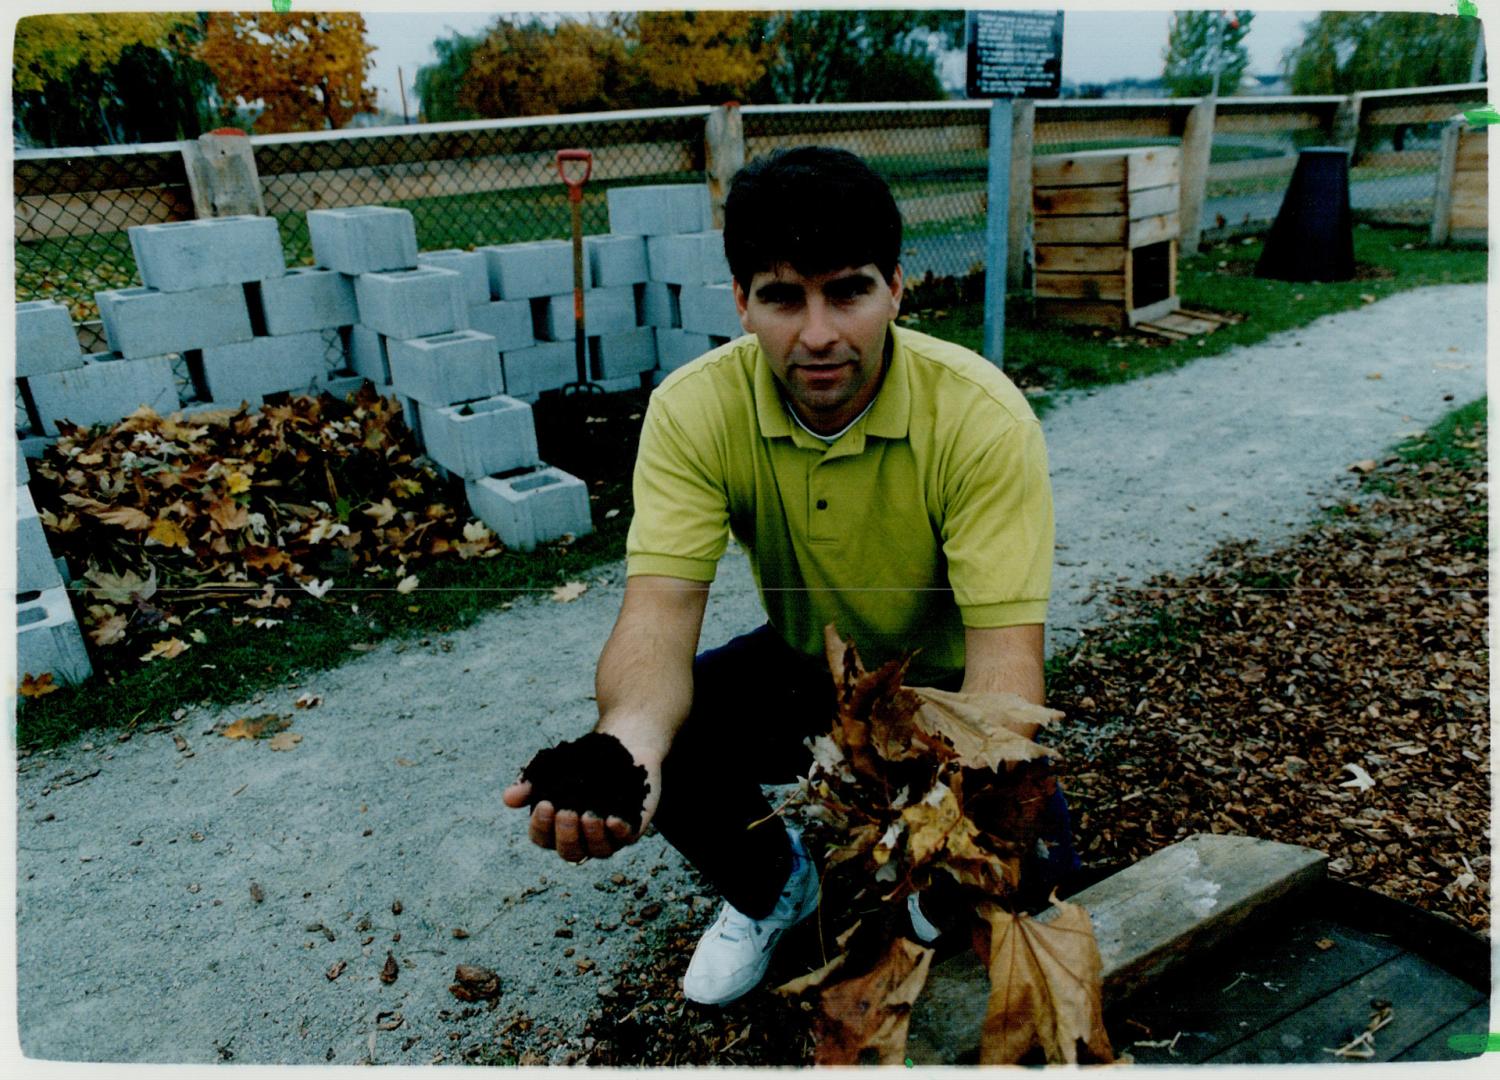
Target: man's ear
{"points": [[898, 289], [742, 306]]}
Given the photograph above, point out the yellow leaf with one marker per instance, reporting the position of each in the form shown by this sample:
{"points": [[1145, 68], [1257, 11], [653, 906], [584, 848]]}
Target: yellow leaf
{"points": [[34, 686], [167, 533], [286, 740], [237, 483], [254, 727], [126, 517], [407, 584], [382, 511], [566, 594], [109, 631], [172, 647]]}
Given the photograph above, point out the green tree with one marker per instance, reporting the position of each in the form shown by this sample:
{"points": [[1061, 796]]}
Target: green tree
{"points": [[439, 86], [82, 80], [848, 55], [1200, 42], [1345, 52]]}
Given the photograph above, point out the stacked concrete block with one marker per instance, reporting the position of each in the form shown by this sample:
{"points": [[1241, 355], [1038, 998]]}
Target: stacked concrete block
{"points": [[48, 639], [368, 356], [605, 311], [45, 339], [480, 438], [659, 209], [471, 264], [305, 298], [180, 256], [509, 322], [405, 304], [710, 309], [446, 369], [248, 371], [530, 270], [688, 258], [660, 304], [621, 355], [23, 471], [674, 348], [533, 508], [142, 322], [547, 366], [36, 569], [363, 239], [105, 389], [615, 260]]}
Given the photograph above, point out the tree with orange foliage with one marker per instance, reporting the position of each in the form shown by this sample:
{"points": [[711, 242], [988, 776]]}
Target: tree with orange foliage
{"points": [[307, 70]]}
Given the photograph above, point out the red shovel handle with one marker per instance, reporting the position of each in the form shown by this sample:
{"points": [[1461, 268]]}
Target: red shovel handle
{"points": [[575, 186]]}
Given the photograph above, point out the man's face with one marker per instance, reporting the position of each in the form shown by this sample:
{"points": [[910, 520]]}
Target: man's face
{"points": [[823, 335]]}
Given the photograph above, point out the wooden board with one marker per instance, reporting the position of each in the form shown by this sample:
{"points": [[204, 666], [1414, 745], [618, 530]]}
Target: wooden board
{"points": [[1472, 1023], [1473, 150], [1153, 230], [1148, 919], [1072, 170], [1111, 316], [1065, 201], [1153, 168], [1080, 230], [1153, 202], [1090, 258], [1147, 312], [1081, 286]]}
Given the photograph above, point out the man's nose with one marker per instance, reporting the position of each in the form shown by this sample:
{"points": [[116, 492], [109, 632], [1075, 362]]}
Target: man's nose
{"points": [[818, 329]]}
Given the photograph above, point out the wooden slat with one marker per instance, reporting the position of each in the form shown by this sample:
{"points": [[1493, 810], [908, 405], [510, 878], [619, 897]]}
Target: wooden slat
{"points": [[1149, 312], [1081, 230], [1092, 130], [1333, 1020], [1473, 150], [1082, 313], [941, 207], [1471, 184], [1185, 899], [1154, 201], [1153, 168], [1243, 170], [1258, 123], [1081, 286], [1411, 112], [1468, 219], [1085, 167], [1064, 201], [1152, 230], [1397, 159], [1475, 1023], [1099, 259], [1226, 320], [1162, 331]]}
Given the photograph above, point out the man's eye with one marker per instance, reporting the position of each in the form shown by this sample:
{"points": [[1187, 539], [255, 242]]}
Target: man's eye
{"points": [[848, 292]]}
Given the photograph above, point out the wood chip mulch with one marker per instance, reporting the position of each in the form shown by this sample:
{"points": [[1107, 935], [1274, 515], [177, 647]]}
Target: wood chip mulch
{"points": [[1332, 693]]}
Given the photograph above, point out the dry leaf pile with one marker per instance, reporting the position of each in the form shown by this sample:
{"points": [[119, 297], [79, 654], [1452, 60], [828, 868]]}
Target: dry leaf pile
{"points": [[913, 785], [1333, 693], [158, 516]]}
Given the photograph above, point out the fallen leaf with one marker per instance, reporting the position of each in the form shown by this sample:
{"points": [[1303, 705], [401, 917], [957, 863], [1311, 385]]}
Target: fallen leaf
{"points": [[407, 584], [1044, 989], [474, 983], [1368, 465], [984, 728], [286, 740], [382, 511], [169, 649], [257, 894], [389, 972], [126, 517], [1362, 779], [336, 970], [35, 686], [167, 533], [236, 483], [309, 700], [255, 727], [1324, 944], [566, 594], [317, 589], [864, 1019]]}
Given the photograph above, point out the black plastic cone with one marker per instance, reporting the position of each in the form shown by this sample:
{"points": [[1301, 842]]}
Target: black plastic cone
{"points": [[1313, 238]]}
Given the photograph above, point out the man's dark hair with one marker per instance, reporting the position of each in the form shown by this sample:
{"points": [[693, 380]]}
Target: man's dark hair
{"points": [[812, 208]]}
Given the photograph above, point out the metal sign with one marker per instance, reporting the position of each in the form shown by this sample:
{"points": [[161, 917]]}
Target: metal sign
{"points": [[1015, 54]]}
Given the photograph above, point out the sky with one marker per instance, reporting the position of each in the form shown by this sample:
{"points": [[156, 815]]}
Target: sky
{"points": [[1101, 43]]}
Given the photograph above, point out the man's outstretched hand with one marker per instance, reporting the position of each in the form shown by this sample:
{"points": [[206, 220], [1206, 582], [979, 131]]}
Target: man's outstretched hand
{"points": [[588, 798]]}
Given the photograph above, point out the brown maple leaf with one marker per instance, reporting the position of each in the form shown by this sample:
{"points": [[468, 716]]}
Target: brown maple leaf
{"points": [[985, 729], [1044, 989], [34, 686], [864, 1019], [474, 983]]}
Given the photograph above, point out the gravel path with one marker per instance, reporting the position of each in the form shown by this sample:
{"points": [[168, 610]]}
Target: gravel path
{"points": [[188, 901]]}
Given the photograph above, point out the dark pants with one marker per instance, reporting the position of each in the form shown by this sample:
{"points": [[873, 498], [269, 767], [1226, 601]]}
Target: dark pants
{"points": [[755, 700]]}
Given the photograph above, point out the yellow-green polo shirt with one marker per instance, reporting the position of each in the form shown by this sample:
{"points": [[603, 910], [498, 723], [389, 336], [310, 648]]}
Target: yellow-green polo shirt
{"points": [[931, 513]]}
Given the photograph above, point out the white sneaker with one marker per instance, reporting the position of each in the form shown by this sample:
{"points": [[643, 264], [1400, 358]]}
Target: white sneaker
{"points": [[733, 955]]}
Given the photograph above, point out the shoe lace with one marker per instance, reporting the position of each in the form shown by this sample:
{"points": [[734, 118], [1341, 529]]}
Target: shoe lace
{"points": [[735, 925]]}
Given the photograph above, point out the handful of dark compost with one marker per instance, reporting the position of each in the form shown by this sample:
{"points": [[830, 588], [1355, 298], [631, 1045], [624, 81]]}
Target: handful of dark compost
{"points": [[594, 773]]}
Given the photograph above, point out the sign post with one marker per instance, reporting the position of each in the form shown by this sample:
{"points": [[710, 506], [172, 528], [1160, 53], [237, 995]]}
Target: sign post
{"points": [[1011, 54]]}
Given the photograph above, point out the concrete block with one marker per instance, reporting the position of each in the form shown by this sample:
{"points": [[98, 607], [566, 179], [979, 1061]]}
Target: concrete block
{"points": [[615, 260], [34, 446], [658, 209], [412, 303], [507, 321], [471, 264], [306, 298], [48, 638], [480, 438], [177, 256], [35, 568], [659, 304], [342, 385], [363, 239], [543, 367], [612, 356], [409, 413], [531, 509], [45, 339], [688, 258], [677, 347], [622, 383], [141, 322], [104, 391], [249, 370], [23, 471], [709, 309], [605, 311], [446, 369], [525, 271], [367, 354]]}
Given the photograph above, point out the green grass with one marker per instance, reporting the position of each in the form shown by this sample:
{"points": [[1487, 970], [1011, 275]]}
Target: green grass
{"points": [[1056, 357]]}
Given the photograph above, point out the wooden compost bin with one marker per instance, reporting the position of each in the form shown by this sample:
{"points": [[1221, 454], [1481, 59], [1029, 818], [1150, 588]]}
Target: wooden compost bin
{"points": [[1105, 233], [1461, 211]]}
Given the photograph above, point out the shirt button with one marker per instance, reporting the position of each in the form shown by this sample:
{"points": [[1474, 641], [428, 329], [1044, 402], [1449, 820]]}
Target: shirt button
{"points": [[822, 504]]}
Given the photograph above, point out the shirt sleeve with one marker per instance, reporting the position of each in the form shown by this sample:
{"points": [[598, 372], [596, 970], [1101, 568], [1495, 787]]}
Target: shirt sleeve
{"points": [[997, 529], [681, 523]]}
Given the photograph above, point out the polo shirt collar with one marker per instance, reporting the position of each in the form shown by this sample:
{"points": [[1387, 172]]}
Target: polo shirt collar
{"points": [[888, 418]]}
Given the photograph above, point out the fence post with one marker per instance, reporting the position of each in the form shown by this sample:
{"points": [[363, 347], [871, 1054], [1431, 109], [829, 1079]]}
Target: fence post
{"points": [[723, 154], [1346, 123], [221, 174], [997, 231], [1442, 202], [1022, 130], [1197, 151]]}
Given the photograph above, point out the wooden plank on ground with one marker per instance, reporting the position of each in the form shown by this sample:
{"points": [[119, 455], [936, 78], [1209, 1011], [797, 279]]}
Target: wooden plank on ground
{"points": [[1182, 323], [1185, 899], [1090, 258], [1474, 1025], [1423, 998], [1227, 319], [1162, 331]]}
